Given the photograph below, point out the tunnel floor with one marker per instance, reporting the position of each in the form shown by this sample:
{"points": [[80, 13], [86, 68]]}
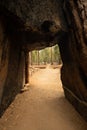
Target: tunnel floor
{"points": [[42, 107]]}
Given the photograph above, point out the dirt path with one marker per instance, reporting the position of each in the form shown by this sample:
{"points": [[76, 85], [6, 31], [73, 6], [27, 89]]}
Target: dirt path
{"points": [[43, 107]]}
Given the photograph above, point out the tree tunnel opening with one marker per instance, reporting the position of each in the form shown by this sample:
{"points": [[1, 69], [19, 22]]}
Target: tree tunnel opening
{"points": [[44, 61], [49, 55]]}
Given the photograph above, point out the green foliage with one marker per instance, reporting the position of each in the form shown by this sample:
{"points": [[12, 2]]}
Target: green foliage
{"points": [[56, 54], [44, 55], [34, 57], [47, 55]]}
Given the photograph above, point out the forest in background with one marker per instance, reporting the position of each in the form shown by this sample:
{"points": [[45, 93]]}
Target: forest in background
{"points": [[49, 55]]}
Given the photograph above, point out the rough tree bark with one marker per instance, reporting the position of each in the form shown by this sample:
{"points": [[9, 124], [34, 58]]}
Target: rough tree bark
{"points": [[73, 49], [26, 67]]}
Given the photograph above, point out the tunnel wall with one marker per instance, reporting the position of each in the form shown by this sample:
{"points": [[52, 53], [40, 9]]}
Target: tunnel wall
{"points": [[11, 69], [73, 48], [4, 55]]}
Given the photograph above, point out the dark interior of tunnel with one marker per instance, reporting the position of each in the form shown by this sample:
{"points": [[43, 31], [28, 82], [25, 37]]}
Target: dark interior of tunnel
{"points": [[46, 26], [28, 25]]}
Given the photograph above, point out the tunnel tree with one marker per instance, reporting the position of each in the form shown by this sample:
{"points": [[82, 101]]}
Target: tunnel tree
{"points": [[26, 25]]}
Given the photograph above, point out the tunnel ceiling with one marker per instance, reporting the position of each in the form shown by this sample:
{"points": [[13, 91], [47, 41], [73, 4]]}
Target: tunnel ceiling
{"points": [[34, 23]]}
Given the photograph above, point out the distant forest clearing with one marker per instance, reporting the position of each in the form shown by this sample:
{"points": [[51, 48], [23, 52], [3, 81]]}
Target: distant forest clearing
{"points": [[49, 55]]}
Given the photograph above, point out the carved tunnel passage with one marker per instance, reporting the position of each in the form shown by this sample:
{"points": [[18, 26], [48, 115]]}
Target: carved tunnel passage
{"points": [[28, 25]]}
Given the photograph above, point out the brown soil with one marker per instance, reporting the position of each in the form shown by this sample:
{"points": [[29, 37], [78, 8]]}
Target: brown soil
{"points": [[42, 107]]}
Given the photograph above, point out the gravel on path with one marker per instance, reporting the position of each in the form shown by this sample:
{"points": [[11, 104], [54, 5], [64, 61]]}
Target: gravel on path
{"points": [[42, 107]]}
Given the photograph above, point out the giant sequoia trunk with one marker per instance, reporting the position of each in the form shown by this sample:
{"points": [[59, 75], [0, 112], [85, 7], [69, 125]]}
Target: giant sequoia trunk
{"points": [[74, 55], [36, 24]]}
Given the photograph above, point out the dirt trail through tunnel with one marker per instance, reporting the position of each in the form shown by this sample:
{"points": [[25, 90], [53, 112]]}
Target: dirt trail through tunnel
{"points": [[43, 107]]}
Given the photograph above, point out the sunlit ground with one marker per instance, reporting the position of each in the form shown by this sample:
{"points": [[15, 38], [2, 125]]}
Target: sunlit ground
{"points": [[43, 106]]}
